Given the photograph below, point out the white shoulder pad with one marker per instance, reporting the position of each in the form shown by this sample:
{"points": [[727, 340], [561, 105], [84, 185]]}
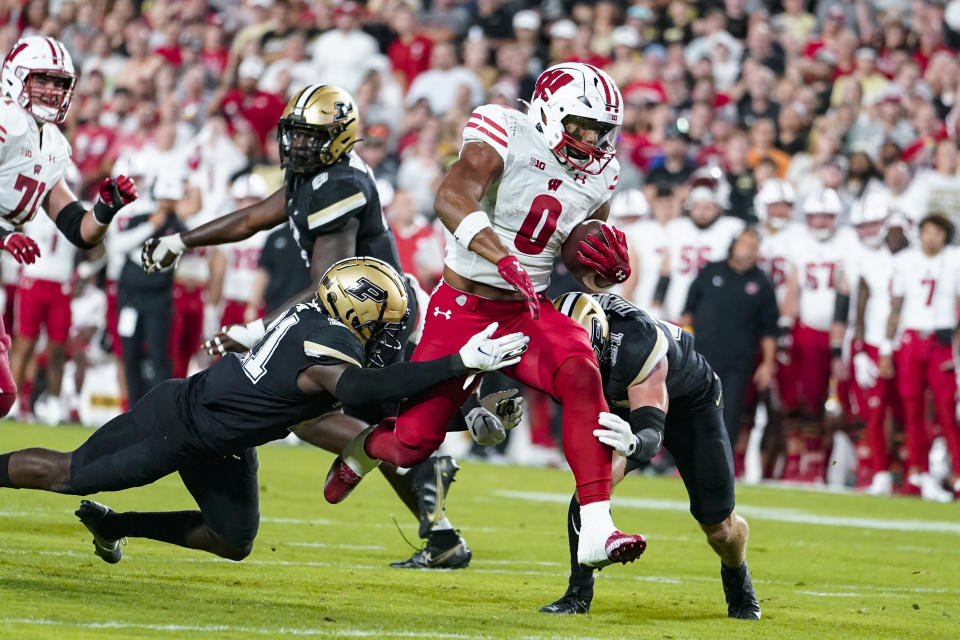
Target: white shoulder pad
{"points": [[488, 123], [13, 120]]}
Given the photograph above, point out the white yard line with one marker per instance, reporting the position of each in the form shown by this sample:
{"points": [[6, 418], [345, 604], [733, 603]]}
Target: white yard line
{"points": [[775, 514]]}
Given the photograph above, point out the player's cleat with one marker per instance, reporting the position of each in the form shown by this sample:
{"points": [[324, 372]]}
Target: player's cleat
{"points": [[431, 479], [738, 590], [600, 543], [577, 599], [624, 548], [930, 488], [348, 469], [341, 480], [881, 485], [91, 514], [455, 557]]}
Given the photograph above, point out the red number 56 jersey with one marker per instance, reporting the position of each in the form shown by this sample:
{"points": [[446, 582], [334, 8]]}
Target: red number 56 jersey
{"points": [[32, 160], [536, 202]]}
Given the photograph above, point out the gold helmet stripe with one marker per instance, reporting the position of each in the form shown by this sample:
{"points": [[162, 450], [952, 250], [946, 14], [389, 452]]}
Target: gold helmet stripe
{"points": [[315, 350], [337, 209]]}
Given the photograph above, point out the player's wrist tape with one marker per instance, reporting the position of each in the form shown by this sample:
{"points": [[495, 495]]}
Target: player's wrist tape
{"points": [[885, 348], [470, 226], [175, 245], [103, 212], [256, 327], [648, 423], [836, 351], [69, 221]]}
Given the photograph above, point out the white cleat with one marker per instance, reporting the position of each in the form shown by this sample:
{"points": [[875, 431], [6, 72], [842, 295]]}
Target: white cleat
{"points": [[930, 488], [882, 484], [601, 544]]}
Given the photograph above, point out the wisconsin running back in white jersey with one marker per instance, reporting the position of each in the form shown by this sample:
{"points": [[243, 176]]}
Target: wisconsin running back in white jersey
{"points": [[775, 255], [819, 266], [876, 270], [242, 263], [929, 287], [57, 252], [648, 240], [690, 248], [535, 203], [32, 160]]}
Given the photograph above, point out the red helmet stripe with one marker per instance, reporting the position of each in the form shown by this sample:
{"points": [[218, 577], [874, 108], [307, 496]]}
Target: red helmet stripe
{"points": [[63, 52], [610, 97], [53, 50], [13, 52]]}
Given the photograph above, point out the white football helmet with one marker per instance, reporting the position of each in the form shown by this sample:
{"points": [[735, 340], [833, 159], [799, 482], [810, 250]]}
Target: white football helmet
{"points": [[774, 191], [577, 91], [712, 180], [629, 204], [823, 202], [872, 208], [35, 56]]}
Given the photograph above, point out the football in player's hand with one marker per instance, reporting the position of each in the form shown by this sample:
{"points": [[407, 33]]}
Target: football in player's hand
{"points": [[572, 245]]}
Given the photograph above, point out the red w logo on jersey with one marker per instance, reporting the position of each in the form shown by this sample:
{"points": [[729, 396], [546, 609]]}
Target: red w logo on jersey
{"points": [[554, 184], [551, 82]]}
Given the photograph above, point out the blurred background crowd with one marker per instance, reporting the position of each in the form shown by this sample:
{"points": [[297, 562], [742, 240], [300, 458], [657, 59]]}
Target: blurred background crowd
{"points": [[841, 100]]}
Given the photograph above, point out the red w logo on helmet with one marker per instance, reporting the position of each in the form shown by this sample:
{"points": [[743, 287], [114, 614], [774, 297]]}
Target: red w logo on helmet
{"points": [[551, 81]]}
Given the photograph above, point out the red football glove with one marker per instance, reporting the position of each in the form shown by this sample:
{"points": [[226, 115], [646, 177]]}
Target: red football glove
{"points": [[22, 248], [115, 193], [610, 260], [513, 272]]}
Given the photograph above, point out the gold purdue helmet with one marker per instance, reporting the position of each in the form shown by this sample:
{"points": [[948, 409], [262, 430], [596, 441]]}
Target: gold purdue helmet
{"points": [[317, 127], [587, 312], [368, 296]]}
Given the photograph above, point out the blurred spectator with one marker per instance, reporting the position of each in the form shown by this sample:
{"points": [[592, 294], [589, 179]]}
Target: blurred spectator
{"points": [[420, 169], [410, 52], [446, 85], [419, 243], [676, 165], [374, 149], [338, 53], [247, 106]]}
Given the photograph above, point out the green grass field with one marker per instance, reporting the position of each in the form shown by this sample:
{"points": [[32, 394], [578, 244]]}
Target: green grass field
{"points": [[824, 565]]}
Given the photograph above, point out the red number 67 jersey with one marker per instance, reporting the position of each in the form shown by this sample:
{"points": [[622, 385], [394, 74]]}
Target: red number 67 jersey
{"points": [[32, 160], [536, 202]]}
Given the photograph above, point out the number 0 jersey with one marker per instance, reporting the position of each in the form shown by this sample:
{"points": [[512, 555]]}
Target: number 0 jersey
{"points": [[324, 202], [637, 344], [32, 160], [535, 203], [247, 401]]}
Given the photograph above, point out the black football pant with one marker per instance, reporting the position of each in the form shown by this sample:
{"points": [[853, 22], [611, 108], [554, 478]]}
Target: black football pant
{"points": [[146, 352]]}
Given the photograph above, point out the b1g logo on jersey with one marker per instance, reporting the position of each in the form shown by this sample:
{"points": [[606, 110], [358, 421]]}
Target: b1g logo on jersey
{"points": [[363, 289], [344, 109], [538, 163]]}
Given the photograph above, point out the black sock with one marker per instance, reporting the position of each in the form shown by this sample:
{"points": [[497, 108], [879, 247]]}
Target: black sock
{"points": [[5, 472], [580, 575], [165, 526], [443, 539]]}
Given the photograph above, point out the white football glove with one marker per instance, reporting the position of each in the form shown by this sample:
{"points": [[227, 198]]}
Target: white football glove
{"points": [[617, 434], [246, 334], [160, 253], [484, 353], [865, 370], [504, 406], [485, 428]]}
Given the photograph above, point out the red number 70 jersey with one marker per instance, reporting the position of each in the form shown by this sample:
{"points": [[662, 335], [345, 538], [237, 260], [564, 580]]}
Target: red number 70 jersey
{"points": [[28, 169], [536, 202]]}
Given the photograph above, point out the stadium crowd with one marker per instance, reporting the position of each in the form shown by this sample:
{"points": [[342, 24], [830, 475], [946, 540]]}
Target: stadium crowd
{"points": [[830, 126]]}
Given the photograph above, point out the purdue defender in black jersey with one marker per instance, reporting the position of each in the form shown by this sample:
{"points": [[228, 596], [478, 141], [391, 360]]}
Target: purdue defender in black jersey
{"points": [[206, 427], [330, 201], [661, 392]]}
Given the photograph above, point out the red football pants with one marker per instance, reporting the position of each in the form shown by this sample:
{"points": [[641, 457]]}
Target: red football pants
{"points": [[186, 329], [877, 400], [810, 368], [918, 367], [559, 361]]}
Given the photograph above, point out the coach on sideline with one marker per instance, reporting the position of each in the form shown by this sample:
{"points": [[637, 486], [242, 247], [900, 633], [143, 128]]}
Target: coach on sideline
{"points": [[732, 308]]}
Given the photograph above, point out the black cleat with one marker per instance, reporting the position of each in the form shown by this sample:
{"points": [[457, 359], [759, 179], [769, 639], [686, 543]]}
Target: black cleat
{"points": [[738, 590], [431, 479], [455, 557], [577, 599], [91, 514]]}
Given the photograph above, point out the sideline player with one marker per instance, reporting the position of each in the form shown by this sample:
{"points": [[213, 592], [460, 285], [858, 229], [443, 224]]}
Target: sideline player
{"points": [[37, 81], [207, 426], [522, 183], [661, 393], [331, 203]]}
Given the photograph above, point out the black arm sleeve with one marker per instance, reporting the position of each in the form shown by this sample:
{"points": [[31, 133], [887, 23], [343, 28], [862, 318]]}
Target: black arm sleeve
{"points": [[769, 312], [841, 308], [660, 293], [69, 220], [648, 423], [358, 386]]}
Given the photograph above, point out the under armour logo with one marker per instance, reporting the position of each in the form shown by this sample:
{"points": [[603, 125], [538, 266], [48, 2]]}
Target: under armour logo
{"points": [[554, 184], [37, 168], [445, 314], [619, 275], [579, 177]]}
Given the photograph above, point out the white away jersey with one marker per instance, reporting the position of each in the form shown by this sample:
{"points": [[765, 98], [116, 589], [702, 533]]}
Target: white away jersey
{"points": [[820, 267], [535, 203], [32, 160], [690, 249], [929, 287], [775, 255], [876, 270], [648, 240], [57, 254], [243, 259]]}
